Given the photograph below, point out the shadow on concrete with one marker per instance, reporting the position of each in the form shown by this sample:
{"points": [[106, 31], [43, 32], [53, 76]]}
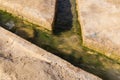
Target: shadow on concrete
{"points": [[63, 18]]}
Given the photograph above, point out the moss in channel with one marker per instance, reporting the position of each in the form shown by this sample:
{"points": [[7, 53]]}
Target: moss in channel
{"points": [[67, 44]]}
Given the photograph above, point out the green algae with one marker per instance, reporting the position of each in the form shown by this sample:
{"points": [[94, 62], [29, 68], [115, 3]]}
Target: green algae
{"points": [[67, 45]]}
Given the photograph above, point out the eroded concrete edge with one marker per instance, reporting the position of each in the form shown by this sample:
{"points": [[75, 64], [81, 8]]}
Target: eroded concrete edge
{"points": [[92, 45], [11, 43], [33, 20]]}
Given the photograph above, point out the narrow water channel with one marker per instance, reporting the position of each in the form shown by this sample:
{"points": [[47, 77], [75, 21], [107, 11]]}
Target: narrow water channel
{"points": [[65, 40]]}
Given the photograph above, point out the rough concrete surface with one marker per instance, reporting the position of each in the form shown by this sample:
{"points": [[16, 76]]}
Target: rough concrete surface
{"points": [[21, 60], [100, 22], [40, 12]]}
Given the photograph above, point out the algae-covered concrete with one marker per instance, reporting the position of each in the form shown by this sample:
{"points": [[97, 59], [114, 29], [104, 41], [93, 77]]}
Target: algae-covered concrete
{"points": [[21, 60], [100, 25], [40, 12]]}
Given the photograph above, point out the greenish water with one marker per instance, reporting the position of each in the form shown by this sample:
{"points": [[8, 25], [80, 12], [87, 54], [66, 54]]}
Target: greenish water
{"points": [[66, 44]]}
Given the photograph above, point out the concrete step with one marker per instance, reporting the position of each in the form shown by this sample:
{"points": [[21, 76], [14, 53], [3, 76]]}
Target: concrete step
{"points": [[100, 24], [21, 60], [40, 12]]}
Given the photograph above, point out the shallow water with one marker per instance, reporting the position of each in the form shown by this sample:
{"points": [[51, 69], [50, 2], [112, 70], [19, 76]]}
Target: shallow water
{"points": [[65, 42]]}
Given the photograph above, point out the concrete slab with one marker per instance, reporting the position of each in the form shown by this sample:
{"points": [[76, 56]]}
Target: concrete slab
{"points": [[40, 12], [22, 60], [100, 23]]}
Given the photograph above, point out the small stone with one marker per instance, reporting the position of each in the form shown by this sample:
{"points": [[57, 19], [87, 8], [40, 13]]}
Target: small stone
{"points": [[10, 25]]}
